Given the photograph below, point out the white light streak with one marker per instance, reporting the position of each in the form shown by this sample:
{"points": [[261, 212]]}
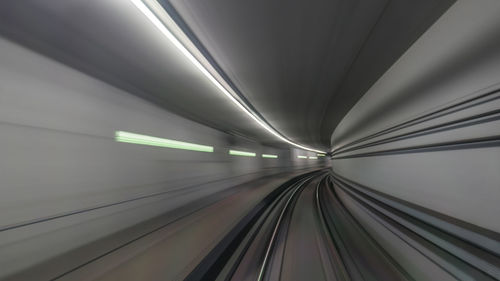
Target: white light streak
{"points": [[166, 32]]}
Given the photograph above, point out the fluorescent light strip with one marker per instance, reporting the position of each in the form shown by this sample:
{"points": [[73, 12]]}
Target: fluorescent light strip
{"points": [[127, 137], [269, 156], [313, 157], [242, 153], [320, 154], [139, 4], [302, 157]]}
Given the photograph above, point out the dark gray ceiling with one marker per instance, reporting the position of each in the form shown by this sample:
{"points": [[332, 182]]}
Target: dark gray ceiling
{"points": [[301, 64], [304, 64]]}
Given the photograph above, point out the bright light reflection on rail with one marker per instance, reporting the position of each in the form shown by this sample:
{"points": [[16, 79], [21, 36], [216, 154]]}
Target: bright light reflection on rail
{"points": [[127, 137]]}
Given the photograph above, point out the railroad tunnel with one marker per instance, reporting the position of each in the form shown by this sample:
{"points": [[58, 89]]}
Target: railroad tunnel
{"points": [[344, 140]]}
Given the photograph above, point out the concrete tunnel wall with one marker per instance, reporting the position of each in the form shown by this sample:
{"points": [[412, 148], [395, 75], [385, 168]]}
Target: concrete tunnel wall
{"points": [[59, 157], [439, 99]]}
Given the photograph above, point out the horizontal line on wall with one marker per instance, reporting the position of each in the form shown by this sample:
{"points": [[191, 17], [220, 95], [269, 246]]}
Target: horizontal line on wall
{"points": [[483, 98], [478, 119], [453, 145], [461, 246]]}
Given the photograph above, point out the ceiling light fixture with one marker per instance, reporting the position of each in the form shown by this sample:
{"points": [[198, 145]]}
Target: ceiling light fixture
{"points": [[121, 136], [269, 156], [242, 153], [141, 6]]}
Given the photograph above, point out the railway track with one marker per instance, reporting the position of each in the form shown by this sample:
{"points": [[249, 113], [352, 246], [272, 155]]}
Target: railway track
{"points": [[314, 228]]}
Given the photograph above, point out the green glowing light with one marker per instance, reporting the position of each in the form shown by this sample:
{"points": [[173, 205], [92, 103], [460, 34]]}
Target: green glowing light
{"points": [[320, 154], [302, 157], [242, 153], [313, 157], [269, 156], [127, 137]]}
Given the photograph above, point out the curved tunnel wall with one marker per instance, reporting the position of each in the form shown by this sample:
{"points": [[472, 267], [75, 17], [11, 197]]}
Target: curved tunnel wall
{"points": [[66, 181], [423, 143], [417, 160], [428, 130]]}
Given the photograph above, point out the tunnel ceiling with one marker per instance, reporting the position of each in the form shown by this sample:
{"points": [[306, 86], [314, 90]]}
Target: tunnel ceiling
{"points": [[304, 64], [301, 64]]}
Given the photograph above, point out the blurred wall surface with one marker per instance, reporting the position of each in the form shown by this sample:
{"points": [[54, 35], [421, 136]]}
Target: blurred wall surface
{"points": [[428, 131], [65, 181]]}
